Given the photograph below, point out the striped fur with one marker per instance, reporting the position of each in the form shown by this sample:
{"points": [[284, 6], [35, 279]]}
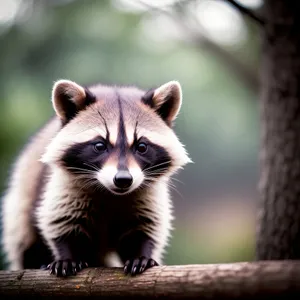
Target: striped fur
{"points": [[77, 204]]}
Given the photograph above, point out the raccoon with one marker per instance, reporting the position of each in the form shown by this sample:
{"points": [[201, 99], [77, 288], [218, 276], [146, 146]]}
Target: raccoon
{"points": [[91, 188]]}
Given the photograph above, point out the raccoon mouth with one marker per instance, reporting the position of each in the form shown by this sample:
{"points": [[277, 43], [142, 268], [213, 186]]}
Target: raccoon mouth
{"points": [[120, 191]]}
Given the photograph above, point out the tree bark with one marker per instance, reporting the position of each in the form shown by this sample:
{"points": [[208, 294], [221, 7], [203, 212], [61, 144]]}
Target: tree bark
{"points": [[278, 234], [244, 280]]}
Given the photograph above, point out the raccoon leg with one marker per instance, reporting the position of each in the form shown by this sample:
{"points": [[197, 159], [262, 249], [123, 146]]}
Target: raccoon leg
{"points": [[69, 255], [136, 250], [66, 238], [61, 219]]}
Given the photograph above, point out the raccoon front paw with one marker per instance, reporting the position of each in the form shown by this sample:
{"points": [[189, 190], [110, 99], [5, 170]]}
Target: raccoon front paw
{"points": [[68, 267], [139, 265]]}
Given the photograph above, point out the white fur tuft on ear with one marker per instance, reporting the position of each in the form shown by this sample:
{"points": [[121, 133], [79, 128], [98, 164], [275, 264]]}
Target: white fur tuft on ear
{"points": [[167, 100], [67, 98]]}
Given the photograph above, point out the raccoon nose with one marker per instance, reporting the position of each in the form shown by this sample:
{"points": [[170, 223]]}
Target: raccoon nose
{"points": [[123, 179]]}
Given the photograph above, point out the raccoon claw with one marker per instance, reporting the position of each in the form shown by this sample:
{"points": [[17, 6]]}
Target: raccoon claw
{"points": [[138, 265], [44, 267], [82, 265], [63, 268]]}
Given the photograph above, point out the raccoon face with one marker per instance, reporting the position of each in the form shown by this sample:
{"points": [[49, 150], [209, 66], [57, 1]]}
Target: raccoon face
{"points": [[120, 138]]}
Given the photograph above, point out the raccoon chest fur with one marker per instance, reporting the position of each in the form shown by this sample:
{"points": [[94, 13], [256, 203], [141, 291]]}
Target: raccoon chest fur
{"points": [[95, 222]]}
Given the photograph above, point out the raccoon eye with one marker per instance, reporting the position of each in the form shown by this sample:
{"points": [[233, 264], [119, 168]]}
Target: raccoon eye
{"points": [[141, 148], [99, 147]]}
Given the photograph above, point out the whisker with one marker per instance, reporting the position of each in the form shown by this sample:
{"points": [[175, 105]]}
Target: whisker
{"points": [[87, 174], [154, 171], [172, 178], [174, 188], [83, 177], [157, 165], [89, 183], [155, 180], [92, 166], [145, 184], [155, 174], [86, 178], [159, 170], [81, 169], [162, 172]]}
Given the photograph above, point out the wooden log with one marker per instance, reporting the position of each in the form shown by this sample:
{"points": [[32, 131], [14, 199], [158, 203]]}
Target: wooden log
{"points": [[245, 280]]}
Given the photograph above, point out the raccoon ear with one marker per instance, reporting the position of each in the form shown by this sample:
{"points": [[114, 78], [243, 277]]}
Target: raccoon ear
{"points": [[68, 98], [165, 100]]}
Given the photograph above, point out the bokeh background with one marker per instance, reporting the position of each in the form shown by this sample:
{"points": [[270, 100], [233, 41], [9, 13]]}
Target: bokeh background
{"points": [[207, 45]]}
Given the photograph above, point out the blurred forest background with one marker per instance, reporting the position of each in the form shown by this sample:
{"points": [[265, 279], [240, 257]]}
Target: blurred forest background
{"points": [[208, 46]]}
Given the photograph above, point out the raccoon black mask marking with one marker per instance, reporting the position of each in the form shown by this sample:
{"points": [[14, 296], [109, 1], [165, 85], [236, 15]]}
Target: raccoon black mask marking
{"points": [[91, 188]]}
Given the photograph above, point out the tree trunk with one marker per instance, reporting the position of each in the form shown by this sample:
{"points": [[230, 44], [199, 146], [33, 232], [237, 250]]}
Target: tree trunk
{"points": [[257, 280], [278, 234]]}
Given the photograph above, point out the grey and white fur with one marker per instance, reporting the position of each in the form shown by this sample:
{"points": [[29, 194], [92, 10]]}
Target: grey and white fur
{"points": [[91, 188]]}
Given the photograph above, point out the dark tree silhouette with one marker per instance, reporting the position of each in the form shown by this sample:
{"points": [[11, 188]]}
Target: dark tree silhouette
{"points": [[278, 235]]}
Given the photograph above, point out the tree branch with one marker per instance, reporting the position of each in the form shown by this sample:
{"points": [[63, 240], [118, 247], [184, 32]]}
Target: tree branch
{"points": [[246, 12], [255, 280], [247, 75], [242, 72]]}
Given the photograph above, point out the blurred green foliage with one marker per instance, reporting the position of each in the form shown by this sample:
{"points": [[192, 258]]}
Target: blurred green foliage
{"points": [[96, 41]]}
